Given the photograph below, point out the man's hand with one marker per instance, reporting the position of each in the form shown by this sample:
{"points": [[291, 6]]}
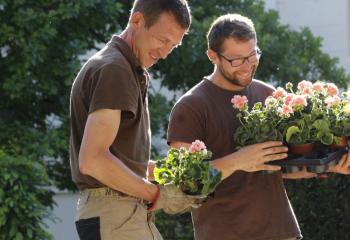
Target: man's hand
{"points": [[253, 157], [343, 167], [304, 174], [173, 201]]}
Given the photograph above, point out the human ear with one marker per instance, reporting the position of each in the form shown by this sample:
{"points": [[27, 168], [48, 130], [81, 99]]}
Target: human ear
{"points": [[137, 20], [213, 56]]}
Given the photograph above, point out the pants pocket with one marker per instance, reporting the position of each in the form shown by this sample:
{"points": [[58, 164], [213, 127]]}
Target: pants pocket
{"points": [[89, 229]]}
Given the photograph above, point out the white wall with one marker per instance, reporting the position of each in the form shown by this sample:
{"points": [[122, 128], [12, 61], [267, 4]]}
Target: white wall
{"points": [[64, 227], [329, 19]]}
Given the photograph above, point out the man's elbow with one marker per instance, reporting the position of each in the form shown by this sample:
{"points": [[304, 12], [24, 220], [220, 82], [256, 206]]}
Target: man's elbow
{"points": [[86, 164]]}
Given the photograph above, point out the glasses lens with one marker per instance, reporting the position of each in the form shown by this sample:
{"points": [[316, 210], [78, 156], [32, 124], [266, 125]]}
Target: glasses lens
{"points": [[253, 58], [237, 62]]}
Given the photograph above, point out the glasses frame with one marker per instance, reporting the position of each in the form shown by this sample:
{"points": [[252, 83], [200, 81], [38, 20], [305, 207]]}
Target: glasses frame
{"points": [[257, 53]]}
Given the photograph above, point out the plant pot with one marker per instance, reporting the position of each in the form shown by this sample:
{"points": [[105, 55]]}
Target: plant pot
{"points": [[301, 149], [342, 143]]}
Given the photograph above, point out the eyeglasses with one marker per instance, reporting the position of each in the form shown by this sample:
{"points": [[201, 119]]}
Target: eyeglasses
{"points": [[236, 62]]}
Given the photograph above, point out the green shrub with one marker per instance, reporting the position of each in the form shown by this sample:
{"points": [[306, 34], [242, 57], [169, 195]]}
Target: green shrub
{"points": [[322, 207], [24, 201], [175, 227]]}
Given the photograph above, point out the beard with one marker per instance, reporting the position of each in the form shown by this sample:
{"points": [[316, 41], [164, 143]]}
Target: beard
{"points": [[233, 78]]}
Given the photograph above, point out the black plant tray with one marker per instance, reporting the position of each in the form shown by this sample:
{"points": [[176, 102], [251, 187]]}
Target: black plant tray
{"points": [[316, 162]]}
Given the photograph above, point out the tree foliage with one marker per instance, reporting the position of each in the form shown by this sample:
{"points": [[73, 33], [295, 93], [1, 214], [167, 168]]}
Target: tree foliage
{"points": [[41, 46]]}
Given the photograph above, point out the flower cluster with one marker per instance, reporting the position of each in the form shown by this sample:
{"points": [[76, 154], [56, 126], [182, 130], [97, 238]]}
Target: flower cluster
{"points": [[188, 169], [315, 112]]}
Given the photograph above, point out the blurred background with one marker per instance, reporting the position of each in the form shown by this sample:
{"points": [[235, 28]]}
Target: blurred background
{"points": [[42, 47]]}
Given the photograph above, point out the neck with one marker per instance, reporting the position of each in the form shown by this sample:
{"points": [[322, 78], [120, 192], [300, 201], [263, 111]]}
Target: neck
{"points": [[128, 36], [220, 81]]}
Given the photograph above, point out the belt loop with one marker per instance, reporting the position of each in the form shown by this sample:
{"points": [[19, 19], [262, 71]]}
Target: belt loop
{"points": [[87, 197]]}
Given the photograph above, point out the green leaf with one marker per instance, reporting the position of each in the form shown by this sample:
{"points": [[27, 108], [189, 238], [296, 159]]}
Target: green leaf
{"points": [[325, 137], [291, 131], [321, 125]]}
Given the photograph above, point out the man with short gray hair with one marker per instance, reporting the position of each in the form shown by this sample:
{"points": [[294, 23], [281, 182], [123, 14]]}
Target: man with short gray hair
{"points": [[110, 130]]}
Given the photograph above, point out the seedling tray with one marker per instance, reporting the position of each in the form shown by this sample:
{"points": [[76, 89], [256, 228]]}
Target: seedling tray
{"points": [[316, 162]]}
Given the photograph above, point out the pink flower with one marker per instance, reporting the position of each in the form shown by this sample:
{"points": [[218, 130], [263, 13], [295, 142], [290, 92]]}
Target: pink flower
{"points": [[197, 146], [332, 101], [288, 98], [303, 84], [239, 101], [279, 92], [285, 111], [308, 91], [332, 89], [298, 101], [318, 86]]}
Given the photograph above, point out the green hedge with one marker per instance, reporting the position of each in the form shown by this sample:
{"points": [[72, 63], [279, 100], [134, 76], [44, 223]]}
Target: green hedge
{"points": [[174, 227], [322, 206], [24, 201]]}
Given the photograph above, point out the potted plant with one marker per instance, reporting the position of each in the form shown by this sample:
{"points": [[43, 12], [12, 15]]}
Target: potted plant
{"points": [[301, 118], [188, 169]]}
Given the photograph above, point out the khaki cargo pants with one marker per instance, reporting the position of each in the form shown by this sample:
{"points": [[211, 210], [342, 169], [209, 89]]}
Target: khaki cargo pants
{"points": [[106, 214]]}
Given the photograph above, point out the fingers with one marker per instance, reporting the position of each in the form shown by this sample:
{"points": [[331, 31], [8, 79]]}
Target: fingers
{"points": [[273, 157], [343, 166], [345, 161], [274, 150], [298, 175], [265, 167], [342, 160], [269, 144]]}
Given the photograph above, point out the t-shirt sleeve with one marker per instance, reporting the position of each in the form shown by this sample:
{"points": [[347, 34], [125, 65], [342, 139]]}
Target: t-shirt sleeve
{"points": [[185, 124], [114, 87]]}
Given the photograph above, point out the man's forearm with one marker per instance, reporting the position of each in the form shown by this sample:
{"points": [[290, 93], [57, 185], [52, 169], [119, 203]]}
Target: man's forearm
{"points": [[112, 172]]}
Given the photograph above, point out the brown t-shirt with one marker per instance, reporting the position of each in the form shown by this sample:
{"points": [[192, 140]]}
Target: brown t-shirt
{"points": [[246, 206], [112, 79]]}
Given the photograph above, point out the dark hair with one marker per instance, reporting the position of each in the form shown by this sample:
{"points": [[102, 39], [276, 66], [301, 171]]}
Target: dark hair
{"points": [[152, 9], [230, 26]]}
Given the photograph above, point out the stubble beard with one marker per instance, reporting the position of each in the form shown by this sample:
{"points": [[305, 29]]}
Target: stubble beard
{"points": [[234, 80]]}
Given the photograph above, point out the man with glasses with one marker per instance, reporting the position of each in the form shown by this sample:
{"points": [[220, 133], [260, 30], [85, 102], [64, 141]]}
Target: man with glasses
{"points": [[247, 204]]}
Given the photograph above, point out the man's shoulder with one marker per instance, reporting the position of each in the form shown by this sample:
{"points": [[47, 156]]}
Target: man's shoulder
{"points": [[263, 85], [194, 96], [109, 57], [260, 86]]}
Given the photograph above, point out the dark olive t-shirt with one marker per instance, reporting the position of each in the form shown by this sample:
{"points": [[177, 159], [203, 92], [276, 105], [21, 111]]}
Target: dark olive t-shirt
{"points": [[246, 206], [112, 79]]}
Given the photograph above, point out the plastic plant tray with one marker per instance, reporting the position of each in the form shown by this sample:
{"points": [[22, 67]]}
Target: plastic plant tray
{"points": [[316, 162]]}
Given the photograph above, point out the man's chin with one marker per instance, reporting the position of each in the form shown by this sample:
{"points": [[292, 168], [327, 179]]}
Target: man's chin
{"points": [[150, 64], [241, 82]]}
